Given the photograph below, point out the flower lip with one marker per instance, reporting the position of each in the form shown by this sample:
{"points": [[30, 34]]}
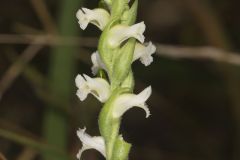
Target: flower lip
{"points": [[144, 53], [83, 90]]}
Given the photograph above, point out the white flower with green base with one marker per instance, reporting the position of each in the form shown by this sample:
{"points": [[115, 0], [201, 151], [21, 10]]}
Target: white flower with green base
{"points": [[121, 43], [119, 33]]}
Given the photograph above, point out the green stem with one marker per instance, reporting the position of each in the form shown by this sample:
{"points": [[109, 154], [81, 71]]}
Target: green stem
{"points": [[109, 126], [62, 64]]}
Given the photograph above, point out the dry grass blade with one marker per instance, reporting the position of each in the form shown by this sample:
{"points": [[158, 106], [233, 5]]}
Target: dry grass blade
{"points": [[48, 40], [44, 16], [211, 53], [2, 157], [15, 70], [27, 154]]}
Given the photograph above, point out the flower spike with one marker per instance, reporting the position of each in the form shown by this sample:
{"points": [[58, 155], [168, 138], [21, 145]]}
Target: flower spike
{"points": [[119, 33], [144, 53], [120, 44], [89, 142], [126, 101], [99, 17], [98, 87]]}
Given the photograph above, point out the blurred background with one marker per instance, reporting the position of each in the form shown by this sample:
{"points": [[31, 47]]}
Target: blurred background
{"points": [[195, 78]]}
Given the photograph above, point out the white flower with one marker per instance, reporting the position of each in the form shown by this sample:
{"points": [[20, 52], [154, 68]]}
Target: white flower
{"points": [[97, 63], [144, 53], [126, 101], [99, 17], [120, 33], [89, 142], [98, 87]]}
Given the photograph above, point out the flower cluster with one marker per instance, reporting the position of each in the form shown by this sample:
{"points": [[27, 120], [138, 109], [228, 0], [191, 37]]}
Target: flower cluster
{"points": [[121, 43]]}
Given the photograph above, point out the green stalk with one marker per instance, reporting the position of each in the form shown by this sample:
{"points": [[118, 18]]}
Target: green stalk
{"points": [[62, 69]]}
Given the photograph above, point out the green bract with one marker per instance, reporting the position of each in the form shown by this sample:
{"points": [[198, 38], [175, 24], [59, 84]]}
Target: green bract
{"points": [[120, 44]]}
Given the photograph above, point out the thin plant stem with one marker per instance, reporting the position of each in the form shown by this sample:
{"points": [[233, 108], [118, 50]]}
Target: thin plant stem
{"points": [[62, 65]]}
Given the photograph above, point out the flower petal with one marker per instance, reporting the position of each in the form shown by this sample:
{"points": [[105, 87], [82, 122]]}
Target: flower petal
{"points": [[89, 142], [99, 17], [97, 63], [98, 87], [144, 53], [120, 33], [126, 101], [83, 90]]}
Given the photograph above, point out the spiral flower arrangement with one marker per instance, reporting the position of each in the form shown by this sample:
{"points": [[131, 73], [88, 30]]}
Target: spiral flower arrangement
{"points": [[121, 43]]}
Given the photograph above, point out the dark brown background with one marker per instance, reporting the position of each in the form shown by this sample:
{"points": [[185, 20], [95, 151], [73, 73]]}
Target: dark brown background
{"points": [[195, 103]]}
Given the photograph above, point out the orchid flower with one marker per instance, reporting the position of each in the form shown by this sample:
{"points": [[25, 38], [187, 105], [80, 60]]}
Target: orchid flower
{"points": [[97, 63], [126, 101], [144, 53], [120, 33], [98, 87], [89, 142], [99, 17]]}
